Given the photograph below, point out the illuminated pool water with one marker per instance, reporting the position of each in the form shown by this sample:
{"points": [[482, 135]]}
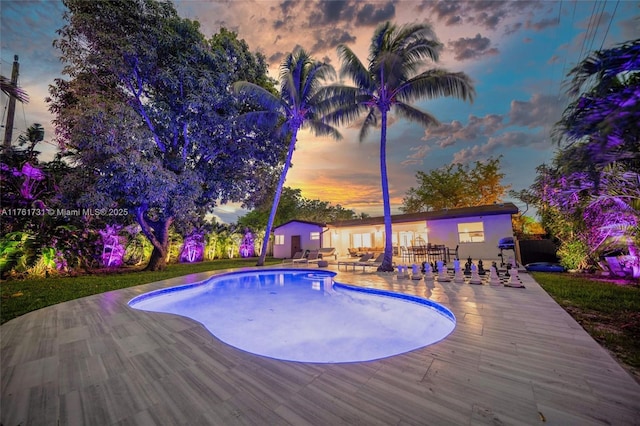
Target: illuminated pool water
{"points": [[298, 315]]}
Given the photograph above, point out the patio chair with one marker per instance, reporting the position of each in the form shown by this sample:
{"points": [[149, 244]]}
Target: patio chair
{"points": [[406, 254], [453, 252], [353, 263], [297, 256], [314, 257], [303, 259], [368, 264]]}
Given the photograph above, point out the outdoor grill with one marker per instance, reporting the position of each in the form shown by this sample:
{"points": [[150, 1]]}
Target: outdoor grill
{"points": [[506, 243]]}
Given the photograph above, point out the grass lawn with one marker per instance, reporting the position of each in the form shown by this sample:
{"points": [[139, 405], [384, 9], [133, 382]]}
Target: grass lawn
{"points": [[608, 311], [22, 296]]}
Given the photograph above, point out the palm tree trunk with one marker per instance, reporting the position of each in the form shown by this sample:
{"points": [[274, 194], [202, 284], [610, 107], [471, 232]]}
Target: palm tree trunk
{"points": [[387, 262], [276, 198]]}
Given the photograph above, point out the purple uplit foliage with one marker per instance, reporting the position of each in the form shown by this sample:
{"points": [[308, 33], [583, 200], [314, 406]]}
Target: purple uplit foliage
{"points": [[193, 248], [32, 177], [610, 219], [112, 248], [61, 262], [247, 246]]}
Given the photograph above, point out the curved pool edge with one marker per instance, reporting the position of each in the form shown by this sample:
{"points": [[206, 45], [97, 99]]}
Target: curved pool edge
{"points": [[216, 274], [443, 310]]}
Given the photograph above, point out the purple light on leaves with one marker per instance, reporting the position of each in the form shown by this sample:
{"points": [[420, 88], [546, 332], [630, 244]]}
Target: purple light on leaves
{"points": [[193, 248], [112, 250], [32, 175], [247, 246]]}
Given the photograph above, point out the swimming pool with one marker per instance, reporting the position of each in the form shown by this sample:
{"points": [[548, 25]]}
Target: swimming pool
{"points": [[299, 315]]}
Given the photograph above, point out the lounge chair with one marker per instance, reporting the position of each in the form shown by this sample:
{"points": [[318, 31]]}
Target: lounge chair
{"points": [[363, 258], [297, 256], [325, 252], [313, 256], [368, 264]]}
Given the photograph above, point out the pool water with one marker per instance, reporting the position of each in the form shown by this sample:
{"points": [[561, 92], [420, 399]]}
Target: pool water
{"points": [[298, 315]]}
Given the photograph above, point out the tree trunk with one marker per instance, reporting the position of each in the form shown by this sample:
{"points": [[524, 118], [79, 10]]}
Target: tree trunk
{"points": [[157, 232], [276, 198], [158, 260], [387, 261]]}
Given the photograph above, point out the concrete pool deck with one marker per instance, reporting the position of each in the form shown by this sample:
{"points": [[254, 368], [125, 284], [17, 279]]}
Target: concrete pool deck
{"points": [[515, 357]]}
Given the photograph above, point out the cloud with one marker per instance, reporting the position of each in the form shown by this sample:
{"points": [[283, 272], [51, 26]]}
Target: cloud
{"points": [[498, 145], [330, 38], [542, 24], [472, 48], [331, 12], [539, 111], [373, 14], [630, 28], [485, 14], [419, 153], [447, 134]]}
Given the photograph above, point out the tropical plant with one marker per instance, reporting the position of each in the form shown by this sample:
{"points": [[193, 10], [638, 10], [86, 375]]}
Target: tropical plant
{"points": [[297, 105], [17, 250], [391, 81], [596, 173], [574, 254]]}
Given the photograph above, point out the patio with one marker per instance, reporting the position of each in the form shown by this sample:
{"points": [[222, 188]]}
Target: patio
{"points": [[515, 357]]}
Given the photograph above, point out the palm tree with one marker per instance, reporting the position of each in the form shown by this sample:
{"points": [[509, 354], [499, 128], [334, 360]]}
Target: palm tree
{"points": [[391, 80], [297, 106]]}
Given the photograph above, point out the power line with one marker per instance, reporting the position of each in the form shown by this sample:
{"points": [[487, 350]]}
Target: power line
{"points": [[589, 27], [596, 25], [606, 33]]}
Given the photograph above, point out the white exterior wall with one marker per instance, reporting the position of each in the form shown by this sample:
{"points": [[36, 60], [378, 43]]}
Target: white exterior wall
{"points": [[304, 230], [445, 231]]}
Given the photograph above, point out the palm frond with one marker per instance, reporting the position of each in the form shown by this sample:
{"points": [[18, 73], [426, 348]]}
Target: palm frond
{"points": [[262, 96], [379, 41], [354, 69], [436, 83], [416, 52], [320, 128], [343, 106], [414, 114], [371, 120], [289, 91], [604, 65], [317, 74], [261, 118]]}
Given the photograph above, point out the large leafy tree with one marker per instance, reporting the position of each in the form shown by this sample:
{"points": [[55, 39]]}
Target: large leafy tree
{"points": [[294, 206], [455, 186], [147, 114], [392, 80], [298, 105]]}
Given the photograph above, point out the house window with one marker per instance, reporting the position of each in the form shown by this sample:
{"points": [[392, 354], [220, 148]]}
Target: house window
{"points": [[315, 236], [361, 240], [471, 232], [279, 240]]}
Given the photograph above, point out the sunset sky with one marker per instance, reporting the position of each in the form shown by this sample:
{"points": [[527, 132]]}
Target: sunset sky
{"points": [[516, 52]]}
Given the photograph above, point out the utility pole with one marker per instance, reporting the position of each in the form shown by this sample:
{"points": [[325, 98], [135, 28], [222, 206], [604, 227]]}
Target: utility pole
{"points": [[11, 111]]}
